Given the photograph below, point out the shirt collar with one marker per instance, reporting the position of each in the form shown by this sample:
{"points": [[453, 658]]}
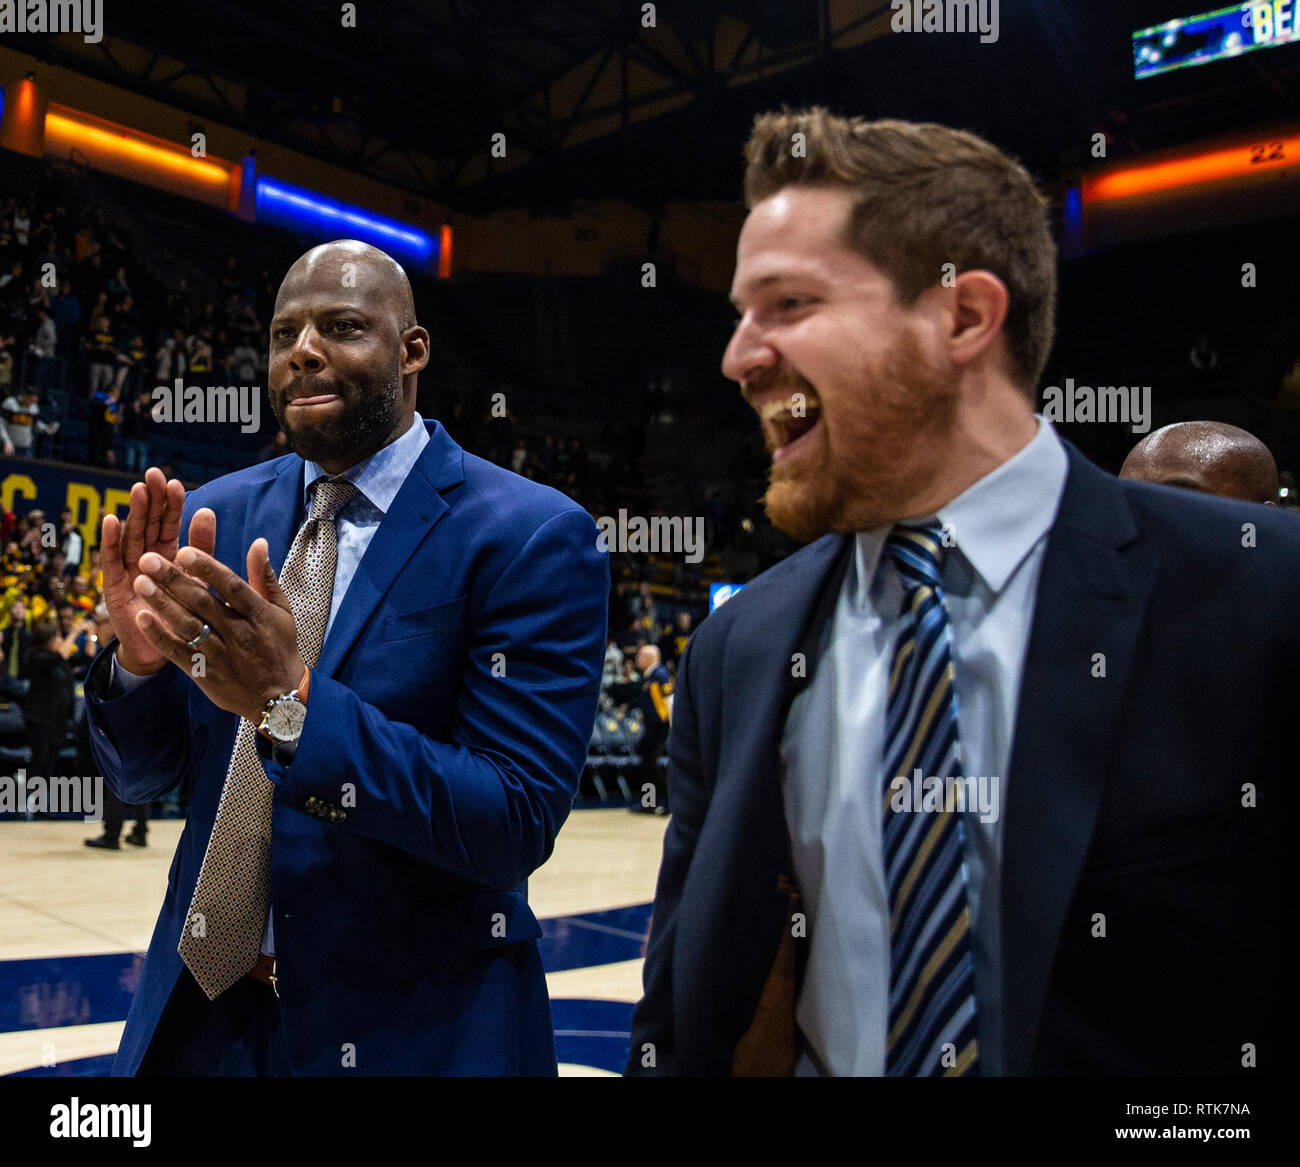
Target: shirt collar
{"points": [[380, 476], [997, 521]]}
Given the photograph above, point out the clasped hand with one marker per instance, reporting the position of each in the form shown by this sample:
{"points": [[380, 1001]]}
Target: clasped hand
{"points": [[251, 654]]}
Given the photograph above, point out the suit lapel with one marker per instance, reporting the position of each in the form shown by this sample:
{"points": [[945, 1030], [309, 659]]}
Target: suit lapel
{"points": [[273, 512], [416, 509], [1093, 592], [769, 660]]}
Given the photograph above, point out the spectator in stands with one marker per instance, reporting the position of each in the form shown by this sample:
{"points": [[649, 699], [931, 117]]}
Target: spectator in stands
{"points": [[200, 361], [15, 642], [70, 543], [47, 708], [102, 349], [1208, 456], [245, 360], [28, 531], [656, 711], [99, 309], [164, 363], [51, 587], [46, 338], [20, 419], [22, 225], [613, 664], [77, 642], [118, 284], [6, 372], [137, 421], [67, 316], [646, 626], [81, 593], [105, 417], [38, 297], [126, 317], [18, 533], [673, 645], [130, 361]]}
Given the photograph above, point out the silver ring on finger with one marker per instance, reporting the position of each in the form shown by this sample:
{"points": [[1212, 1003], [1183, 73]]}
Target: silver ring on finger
{"points": [[202, 636]]}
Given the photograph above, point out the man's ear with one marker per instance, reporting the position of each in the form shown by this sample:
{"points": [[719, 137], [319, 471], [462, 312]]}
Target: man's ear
{"points": [[979, 310], [415, 349]]}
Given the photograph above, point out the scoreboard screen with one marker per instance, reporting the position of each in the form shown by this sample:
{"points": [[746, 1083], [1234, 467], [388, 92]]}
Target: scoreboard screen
{"points": [[1214, 36]]}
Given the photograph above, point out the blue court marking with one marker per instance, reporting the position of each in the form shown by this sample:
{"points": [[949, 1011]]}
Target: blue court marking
{"points": [[592, 1033], [594, 938], [587, 1033], [49, 992], [52, 992]]}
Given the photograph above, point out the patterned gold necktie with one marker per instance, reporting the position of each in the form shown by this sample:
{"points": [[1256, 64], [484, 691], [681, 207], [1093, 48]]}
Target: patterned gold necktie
{"points": [[223, 932]]}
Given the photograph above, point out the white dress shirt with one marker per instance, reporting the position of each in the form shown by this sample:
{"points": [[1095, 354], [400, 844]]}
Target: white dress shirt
{"points": [[377, 480], [832, 749]]}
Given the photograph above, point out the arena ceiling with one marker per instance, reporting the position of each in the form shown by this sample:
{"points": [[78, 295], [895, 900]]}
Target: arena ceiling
{"points": [[594, 105]]}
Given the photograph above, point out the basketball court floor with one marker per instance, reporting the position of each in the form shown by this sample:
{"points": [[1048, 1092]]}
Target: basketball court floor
{"points": [[75, 923]]}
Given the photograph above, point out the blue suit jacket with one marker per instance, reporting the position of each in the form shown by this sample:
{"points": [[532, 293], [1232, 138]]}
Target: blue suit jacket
{"points": [[456, 692], [1125, 797]]}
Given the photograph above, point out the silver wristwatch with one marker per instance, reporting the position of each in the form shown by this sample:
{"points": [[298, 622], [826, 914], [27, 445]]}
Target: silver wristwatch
{"points": [[283, 717]]}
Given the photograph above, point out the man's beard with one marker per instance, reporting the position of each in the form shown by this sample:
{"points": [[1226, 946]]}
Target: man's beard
{"points": [[876, 459], [360, 425]]}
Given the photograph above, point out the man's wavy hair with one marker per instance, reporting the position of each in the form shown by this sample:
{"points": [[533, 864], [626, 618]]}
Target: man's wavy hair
{"points": [[924, 195]]}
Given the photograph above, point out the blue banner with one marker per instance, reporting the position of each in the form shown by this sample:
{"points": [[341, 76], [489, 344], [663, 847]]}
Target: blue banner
{"points": [[90, 493]]}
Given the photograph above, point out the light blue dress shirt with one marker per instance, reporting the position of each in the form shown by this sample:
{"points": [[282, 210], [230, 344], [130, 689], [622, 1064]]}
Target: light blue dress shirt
{"points": [[377, 479], [832, 746]]}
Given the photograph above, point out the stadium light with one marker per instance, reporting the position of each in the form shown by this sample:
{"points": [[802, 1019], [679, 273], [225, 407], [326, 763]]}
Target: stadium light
{"points": [[98, 139], [316, 214]]}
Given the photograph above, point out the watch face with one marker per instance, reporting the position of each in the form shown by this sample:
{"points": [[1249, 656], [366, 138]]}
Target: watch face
{"points": [[285, 719]]}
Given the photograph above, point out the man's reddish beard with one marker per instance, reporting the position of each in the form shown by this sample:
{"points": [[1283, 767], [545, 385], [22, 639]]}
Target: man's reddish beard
{"points": [[872, 456]]}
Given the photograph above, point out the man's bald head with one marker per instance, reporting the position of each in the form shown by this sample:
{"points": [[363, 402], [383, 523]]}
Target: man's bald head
{"points": [[351, 264], [345, 354], [1208, 456]]}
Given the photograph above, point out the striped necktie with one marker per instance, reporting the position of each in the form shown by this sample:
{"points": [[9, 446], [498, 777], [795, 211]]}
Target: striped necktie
{"points": [[932, 1022], [223, 930]]}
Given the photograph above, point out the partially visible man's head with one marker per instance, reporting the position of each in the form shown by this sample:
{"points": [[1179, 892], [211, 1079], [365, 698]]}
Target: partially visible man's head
{"points": [[345, 353], [647, 657], [1209, 456], [900, 278]]}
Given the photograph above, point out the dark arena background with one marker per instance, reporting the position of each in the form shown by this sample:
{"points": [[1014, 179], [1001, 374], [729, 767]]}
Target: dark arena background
{"points": [[562, 183]]}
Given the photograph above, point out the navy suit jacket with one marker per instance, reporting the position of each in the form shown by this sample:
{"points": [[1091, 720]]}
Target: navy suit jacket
{"points": [[455, 693], [1126, 800]]}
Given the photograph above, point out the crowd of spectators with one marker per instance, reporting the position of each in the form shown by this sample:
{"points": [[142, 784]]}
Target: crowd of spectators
{"points": [[72, 317], [52, 619], [46, 577]]}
